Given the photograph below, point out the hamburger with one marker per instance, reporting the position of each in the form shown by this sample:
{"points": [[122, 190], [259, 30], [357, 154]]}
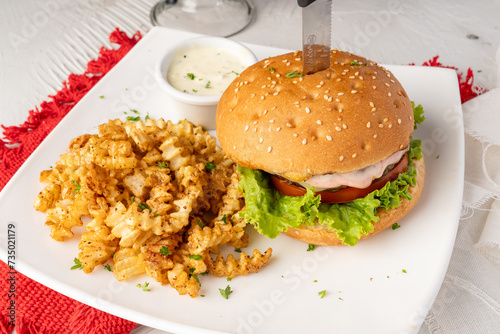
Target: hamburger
{"points": [[327, 158]]}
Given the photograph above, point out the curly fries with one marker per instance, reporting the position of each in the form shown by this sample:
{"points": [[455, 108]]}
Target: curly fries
{"points": [[161, 198]]}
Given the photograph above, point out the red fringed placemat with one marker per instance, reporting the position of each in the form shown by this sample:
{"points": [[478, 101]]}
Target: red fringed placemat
{"points": [[39, 309]]}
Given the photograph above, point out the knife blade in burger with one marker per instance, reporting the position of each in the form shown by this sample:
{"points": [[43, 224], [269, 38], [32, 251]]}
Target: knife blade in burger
{"points": [[326, 158]]}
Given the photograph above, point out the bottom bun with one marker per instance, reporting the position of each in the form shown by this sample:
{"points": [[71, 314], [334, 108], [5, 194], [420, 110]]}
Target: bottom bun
{"points": [[322, 235]]}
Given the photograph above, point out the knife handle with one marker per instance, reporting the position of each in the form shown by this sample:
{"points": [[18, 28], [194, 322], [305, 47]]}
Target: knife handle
{"points": [[305, 3]]}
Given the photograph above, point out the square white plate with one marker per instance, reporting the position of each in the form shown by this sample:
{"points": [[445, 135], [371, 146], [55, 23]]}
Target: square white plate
{"points": [[367, 290]]}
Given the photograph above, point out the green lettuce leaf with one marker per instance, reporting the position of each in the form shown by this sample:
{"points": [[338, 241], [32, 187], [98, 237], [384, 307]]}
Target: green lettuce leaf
{"points": [[418, 114], [271, 213]]}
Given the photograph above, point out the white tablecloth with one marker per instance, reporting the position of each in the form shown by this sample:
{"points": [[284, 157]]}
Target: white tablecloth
{"points": [[42, 42]]}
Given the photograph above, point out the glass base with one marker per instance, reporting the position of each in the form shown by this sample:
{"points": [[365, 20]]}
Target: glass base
{"points": [[222, 18]]}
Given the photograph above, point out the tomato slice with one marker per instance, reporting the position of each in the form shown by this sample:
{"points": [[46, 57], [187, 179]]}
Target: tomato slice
{"points": [[344, 195]]}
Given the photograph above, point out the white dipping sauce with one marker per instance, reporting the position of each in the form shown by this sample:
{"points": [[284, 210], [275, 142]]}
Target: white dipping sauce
{"points": [[203, 70]]}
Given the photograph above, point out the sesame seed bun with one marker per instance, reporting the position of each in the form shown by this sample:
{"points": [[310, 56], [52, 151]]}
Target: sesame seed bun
{"points": [[354, 114], [323, 236]]}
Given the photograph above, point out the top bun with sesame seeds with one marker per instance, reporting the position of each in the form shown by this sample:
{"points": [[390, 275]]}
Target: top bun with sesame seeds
{"points": [[339, 120], [309, 132]]}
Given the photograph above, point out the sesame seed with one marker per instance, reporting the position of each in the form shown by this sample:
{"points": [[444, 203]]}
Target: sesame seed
{"points": [[330, 99], [338, 128], [340, 110], [341, 158], [374, 87], [304, 141], [277, 75], [352, 77], [263, 86], [374, 77], [269, 149], [288, 125], [340, 93], [375, 136], [329, 137], [354, 155], [246, 128], [354, 91], [338, 79], [390, 126], [255, 122], [389, 94], [271, 121], [265, 111], [236, 90], [368, 125], [266, 61], [371, 104], [381, 125], [288, 64], [374, 109], [295, 134], [234, 147], [386, 119], [401, 146], [308, 110], [387, 84], [278, 128], [274, 107], [319, 122], [399, 120], [252, 95], [337, 99], [275, 93], [261, 140], [295, 81], [360, 77], [262, 97], [255, 130], [344, 126]]}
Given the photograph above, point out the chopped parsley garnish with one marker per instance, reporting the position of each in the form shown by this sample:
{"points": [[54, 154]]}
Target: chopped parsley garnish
{"points": [[404, 271], [224, 219], [101, 97], [293, 74], [210, 165], [164, 251], [437, 157], [133, 119], [271, 69], [195, 91], [144, 207], [134, 111], [322, 293], [395, 226], [162, 164], [355, 63], [208, 85], [311, 247], [200, 223], [195, 257], [229, 279], [226, 292], [147, 117], [145, 286], [237, 250], [132, 199], [191, 270], [107, 267], [191, 76], [77, 265], [78, 187], [234, 72]]}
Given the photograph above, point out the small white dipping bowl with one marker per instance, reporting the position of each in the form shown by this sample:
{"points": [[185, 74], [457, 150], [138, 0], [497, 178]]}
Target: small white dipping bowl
{"points": [[198, 109]]}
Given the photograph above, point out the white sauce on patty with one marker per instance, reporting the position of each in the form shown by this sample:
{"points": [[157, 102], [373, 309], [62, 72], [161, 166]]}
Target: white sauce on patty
{"points": [[361, 178], [203, 70]]}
